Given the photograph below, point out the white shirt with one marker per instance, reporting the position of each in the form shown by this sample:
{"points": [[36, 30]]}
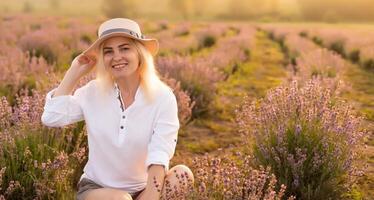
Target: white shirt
{"points": [[122, 143]]}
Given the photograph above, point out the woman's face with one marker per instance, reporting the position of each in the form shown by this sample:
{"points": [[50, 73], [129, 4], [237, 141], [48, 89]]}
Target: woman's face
{"points": [[121, 58]]}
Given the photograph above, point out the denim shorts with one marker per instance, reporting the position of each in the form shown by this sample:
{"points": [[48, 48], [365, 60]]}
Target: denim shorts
{"points": [[85, 185]]}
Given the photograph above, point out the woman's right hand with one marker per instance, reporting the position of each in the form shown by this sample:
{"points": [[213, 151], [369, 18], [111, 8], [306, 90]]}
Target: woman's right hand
{"points": [[82, 65]]}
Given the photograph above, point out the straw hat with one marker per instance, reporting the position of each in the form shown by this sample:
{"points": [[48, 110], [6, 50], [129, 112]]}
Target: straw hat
{"points": [[121, 27]]}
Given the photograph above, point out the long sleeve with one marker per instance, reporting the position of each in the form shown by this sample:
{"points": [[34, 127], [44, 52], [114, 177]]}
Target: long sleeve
{"points": [[63, 110], [163, 141]]}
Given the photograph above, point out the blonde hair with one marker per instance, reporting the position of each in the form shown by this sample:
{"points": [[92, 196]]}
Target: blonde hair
{"points": [[150, 81]]}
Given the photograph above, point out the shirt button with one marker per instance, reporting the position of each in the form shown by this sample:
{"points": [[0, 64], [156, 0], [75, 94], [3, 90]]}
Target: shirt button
{"points": [[123, 117], [121, 127]]}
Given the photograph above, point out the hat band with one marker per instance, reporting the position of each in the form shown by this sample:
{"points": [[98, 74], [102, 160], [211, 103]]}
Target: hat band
{"points": [[123, 30]]}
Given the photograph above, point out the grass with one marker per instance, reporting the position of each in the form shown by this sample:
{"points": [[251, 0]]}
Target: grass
{"points": [[218, 133], [263, 71], [363, 89], [362, 95]]}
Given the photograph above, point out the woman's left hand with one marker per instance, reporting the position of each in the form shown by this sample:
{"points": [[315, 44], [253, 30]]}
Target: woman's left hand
{"points": [[156, 176]]}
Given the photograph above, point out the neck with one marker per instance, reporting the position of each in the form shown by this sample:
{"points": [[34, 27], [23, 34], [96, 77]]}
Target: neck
{"points": [[129, 85]]}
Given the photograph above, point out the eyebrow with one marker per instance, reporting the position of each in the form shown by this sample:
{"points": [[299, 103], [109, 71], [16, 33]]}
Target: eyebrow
{"points": [[121, 45]]}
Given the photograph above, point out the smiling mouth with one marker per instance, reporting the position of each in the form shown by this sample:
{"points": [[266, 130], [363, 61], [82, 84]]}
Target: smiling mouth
{"points": [[119, 65]]}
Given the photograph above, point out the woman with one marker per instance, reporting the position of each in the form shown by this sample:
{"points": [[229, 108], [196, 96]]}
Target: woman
{"points": [[131, 117]]}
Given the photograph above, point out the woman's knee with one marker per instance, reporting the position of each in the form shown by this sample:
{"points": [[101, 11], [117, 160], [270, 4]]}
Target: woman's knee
{"points": [[179, 177], [177, 182], [181, 172]]}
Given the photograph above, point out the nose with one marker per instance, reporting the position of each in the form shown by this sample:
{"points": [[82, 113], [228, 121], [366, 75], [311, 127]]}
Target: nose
{"points": [[117, 56]]}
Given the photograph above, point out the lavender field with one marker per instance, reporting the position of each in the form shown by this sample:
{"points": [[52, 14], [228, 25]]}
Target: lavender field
{"points": [[267, 110]]}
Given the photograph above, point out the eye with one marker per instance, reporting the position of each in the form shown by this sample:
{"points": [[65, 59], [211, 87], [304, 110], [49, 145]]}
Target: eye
{"points": [[107, 52], [124, 48]]}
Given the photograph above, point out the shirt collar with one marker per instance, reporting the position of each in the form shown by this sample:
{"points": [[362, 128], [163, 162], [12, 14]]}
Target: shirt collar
{"points": [[138, 94]]}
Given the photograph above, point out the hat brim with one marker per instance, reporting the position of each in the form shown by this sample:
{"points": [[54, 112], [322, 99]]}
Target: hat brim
{"points": [[150, 44]]}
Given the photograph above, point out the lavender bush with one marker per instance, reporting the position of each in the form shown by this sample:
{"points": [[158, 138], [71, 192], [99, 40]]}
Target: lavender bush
{"points": [[320, 63], [232, 177], [198, 79], [37, 162], [307, 136], [185, 104]]}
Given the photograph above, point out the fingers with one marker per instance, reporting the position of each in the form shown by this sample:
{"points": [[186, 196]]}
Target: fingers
{"points": [[92, 59], [84, 59]]}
